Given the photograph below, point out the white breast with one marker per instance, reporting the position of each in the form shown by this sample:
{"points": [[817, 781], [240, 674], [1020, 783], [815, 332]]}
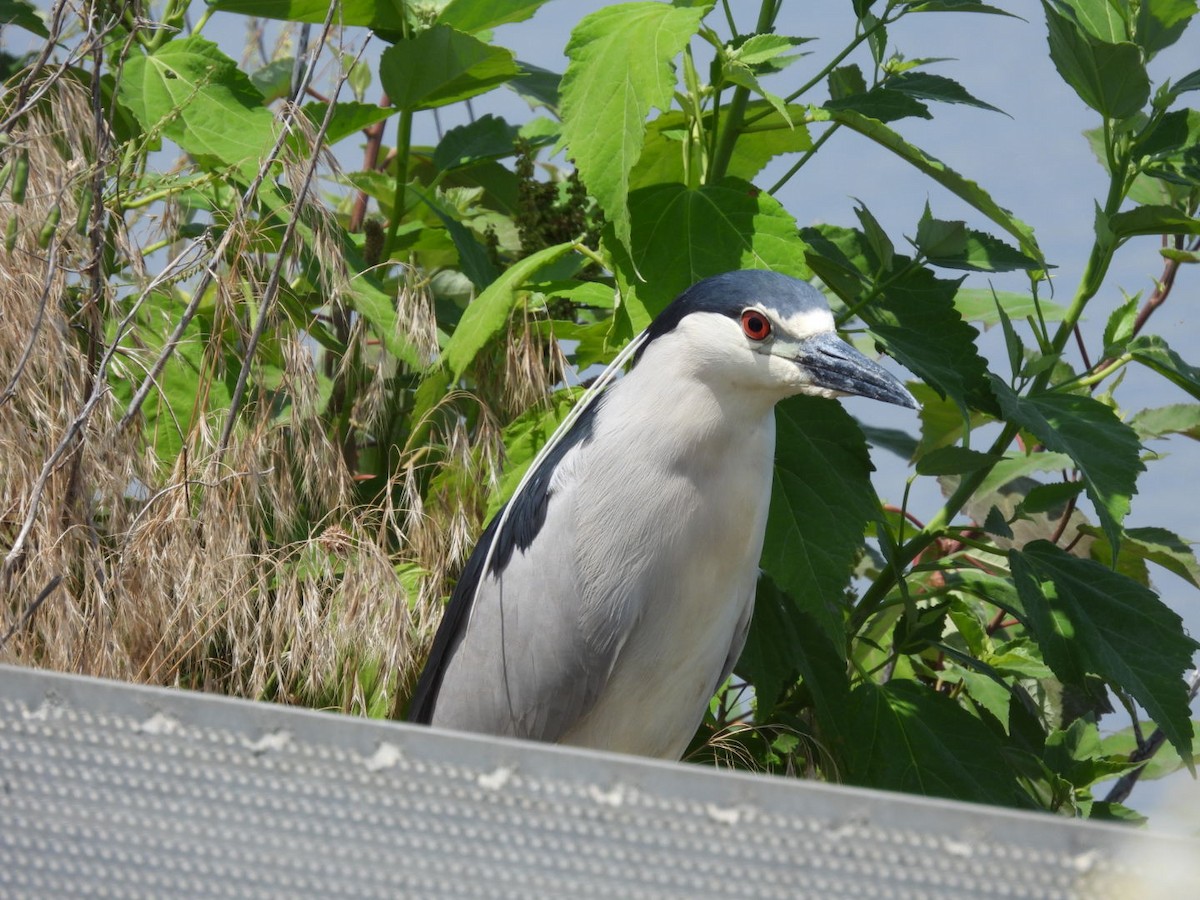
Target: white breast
{"points": [[681, 524]]}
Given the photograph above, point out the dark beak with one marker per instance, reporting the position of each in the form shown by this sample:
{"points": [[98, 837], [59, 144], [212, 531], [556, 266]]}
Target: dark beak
{"points": [[836, 365]]}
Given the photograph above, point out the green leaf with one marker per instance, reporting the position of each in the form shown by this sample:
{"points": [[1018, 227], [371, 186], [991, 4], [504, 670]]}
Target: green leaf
{"points": [[1153, 352], [1050, 498], [441, 66], [199, 98], [1124, 742], [1178, 418], [955, 461], [881, 104], [1076, 755], [971, 6], [488, 137], [784, 643], [348, 118], [916, 322], [983, 253], [1160, 546], [979, 305], [1159, 23], [621, 66], [473, 16], [23, 15], [191, 383], [371, 13], [926, 86], [906, 737], [487, 314], [963, 188], [473, 257], [1110, 77], [766, 50], [1152, 220], [1105, 449], [816, 522], [681, 235], [524, 437], [1014, 468], [1091, 620], [662, 158], [1119, 328]]}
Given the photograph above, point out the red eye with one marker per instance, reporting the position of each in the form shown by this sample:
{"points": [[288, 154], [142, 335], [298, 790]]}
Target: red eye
{"points": [[755, 325]]}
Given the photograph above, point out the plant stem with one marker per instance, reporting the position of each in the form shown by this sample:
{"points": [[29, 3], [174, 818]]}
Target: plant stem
{"points": [[403, 143], [736, 111], [808, 154]]}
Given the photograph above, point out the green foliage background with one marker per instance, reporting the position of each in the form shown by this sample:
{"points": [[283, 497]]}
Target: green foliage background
{"points": [[375, 343]]}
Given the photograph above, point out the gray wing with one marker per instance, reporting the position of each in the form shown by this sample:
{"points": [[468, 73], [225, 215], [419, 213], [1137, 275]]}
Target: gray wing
{"points": [[517, 662]]}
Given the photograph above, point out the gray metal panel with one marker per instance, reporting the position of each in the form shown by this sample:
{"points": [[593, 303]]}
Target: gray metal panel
{"points": [[120, 791]]}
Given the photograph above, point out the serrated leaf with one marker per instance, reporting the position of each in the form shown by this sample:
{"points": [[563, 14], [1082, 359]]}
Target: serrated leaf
{"points": [[785, 642], [440, 66], [348, 118], [473, 16], [981, 252], [1119, 327], [1152, 220], [374, 15], [995, 523], [971, 6], [487, 314], [979, 305], [1152, 351], [815, 525], [24, 15], [1159, 23], [916, 322], [1178, 418], [927, 86], [1049, 498], [1163, 547], [1110, 77], [881, 104], [488, 137], [199, 98], [1124, 742], [1091, 620], [963, 188], [1018, 467], [876, 237], [1076, 755], [1105, 449], [621, 66], [473, 258], [955, 461], [682, 235], [766, 50], [907, 737]]}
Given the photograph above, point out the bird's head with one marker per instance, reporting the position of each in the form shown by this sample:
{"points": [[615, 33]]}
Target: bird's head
{"points": [[763, 331]]}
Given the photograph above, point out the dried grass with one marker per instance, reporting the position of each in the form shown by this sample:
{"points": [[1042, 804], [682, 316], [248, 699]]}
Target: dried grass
{"points": [[252, 571]]}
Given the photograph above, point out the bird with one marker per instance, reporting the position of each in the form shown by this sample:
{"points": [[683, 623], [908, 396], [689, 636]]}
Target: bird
{"points": [[607, 602]]}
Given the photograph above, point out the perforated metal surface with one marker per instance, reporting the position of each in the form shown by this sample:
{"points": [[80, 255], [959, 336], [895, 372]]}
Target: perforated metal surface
{"points": [[118, 791]]}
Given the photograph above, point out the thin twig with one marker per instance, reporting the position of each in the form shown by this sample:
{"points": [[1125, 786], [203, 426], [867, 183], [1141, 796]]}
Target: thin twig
{"points": [[32, 608], [51, 265], [271, 291], [209, 274]]}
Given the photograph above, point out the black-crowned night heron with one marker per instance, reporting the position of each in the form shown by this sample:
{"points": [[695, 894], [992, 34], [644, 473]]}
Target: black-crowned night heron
{"points": [[610, 599]]}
